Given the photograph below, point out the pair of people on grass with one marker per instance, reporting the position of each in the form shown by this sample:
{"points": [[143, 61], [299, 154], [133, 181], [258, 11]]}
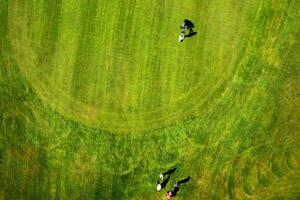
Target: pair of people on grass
{"points": [[186, 25], [164, 179]]}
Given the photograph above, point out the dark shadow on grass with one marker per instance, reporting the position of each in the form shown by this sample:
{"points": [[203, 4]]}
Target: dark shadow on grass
{"points": [[191, 34]]}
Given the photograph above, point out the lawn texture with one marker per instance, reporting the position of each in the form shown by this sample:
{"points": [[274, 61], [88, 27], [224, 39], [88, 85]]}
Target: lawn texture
{"points": [[98, 97]]}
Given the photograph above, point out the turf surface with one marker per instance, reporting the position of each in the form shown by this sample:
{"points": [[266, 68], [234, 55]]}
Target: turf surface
{"points": [[98, 97]]}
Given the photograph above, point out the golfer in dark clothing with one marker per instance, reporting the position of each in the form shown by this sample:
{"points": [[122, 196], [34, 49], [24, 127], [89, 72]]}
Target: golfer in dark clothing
{"points": [[164, 179], [176, 188], [187, 25]]}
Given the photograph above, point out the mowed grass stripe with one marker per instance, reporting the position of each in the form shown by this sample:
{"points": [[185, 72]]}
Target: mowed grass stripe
{"points": [[121, 53], [64, 60], [50, 35], [103, 37], [153, 64], [85, 51]]}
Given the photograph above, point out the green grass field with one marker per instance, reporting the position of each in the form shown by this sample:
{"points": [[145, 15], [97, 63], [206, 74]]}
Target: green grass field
{"points": [[99, 97]]}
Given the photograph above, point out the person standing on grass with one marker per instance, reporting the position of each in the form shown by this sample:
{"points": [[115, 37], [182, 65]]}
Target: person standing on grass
{"points": [[164, 179], [176, 188]]}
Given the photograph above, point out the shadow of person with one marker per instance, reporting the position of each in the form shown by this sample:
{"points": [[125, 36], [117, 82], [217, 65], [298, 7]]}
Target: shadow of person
{"points": [[191, 34], [176, 187], [165, 182]]}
